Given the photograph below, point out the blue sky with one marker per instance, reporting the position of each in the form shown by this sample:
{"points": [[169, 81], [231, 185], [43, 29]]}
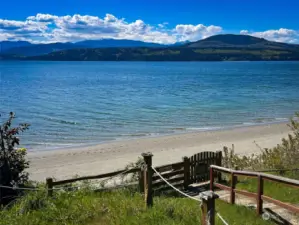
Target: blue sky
{"points": [[148, 20]]}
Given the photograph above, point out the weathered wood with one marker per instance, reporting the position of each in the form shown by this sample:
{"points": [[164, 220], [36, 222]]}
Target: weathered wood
{"points": [[287, 206], [148, 192], [168, 167], [141, 180], [208, 207], [134, 170], [168, 174], [191, 169], [49, 182], [211, 179], [222, 187], [246, 193], [259, 195], [287, 181], [219, 163], [232, 188], [284, 180], [171, 180], [168, 188], [260, 192], [186, 161]]}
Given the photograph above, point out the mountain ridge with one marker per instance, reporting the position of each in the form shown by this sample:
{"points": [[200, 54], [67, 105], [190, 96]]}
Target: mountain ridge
{"points": [[224, 47], [41, 49]]}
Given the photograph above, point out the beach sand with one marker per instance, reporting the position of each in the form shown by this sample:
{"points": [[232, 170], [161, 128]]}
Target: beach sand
{"points": [[108, 157]]}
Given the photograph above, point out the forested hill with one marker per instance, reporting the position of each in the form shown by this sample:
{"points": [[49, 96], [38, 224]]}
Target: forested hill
{"points": [[215, 48]]}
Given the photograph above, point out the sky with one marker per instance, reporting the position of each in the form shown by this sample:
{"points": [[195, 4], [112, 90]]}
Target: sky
{"points": [[163, 21]]}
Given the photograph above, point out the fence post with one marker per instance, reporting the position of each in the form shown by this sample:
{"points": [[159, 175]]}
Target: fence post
{"points": [[211, 179], [208, 207], [148, 192], [141, 180], [186, 172], [49, 182], [219, 163], [260, 192], [232, 188]]}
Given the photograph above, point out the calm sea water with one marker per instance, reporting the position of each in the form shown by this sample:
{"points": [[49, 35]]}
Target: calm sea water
{"points": [[79, 103]]}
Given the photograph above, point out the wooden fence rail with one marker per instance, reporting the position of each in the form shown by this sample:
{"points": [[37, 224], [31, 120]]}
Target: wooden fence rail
{"points": [[259, 196], [174, 172], [181, 174]]}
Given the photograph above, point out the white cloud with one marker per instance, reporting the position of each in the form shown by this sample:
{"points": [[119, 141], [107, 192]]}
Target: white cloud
{"points": [[163, 25], [280, 35], [244, 32], [70, 28], [195, 32], [52, 28]]}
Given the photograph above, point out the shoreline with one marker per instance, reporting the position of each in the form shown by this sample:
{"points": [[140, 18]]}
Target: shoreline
{"points": [[176, 131], [114, 155]]}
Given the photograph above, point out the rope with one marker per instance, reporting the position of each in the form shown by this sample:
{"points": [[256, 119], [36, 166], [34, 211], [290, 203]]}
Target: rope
{"points": [[188, 196], [221, 218], [60, 188]]}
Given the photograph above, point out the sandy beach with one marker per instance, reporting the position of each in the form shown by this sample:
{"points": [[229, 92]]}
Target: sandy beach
{"points": [[108, 157]]}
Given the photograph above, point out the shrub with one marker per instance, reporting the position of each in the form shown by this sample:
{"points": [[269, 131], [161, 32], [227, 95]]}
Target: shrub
{"points": [[284, 156], [12, 160]]}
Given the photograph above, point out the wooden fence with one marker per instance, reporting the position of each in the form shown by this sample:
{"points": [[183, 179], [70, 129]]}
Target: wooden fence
{"points": [[181, 174], [200, 164], [259, 196]]}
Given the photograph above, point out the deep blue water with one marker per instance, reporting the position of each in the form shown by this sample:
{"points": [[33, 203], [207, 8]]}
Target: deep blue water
{"points": [[75, 103]]}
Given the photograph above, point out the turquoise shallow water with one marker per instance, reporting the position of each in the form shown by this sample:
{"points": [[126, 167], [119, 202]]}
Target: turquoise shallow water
{"points": [[82, 103]]}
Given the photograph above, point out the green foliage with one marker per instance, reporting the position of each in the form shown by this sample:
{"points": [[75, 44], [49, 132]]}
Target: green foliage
{"points": [[12, 160], [283, 156], [116, 207]]}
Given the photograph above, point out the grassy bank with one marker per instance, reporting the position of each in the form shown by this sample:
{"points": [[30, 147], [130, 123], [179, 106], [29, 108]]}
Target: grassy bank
{"points": [[118, 207]]}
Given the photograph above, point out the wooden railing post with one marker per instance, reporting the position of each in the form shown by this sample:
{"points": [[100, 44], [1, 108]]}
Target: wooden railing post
{"points": [[208, 207], [141, 180], [219, 163], [260, 192], [186, 172], [148, 192], [49, 182], [211, 179], [232, 188]]}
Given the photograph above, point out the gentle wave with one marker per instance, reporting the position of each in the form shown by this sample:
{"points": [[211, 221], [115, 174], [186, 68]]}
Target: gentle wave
{"points": [[61, 121], [68, 103]]}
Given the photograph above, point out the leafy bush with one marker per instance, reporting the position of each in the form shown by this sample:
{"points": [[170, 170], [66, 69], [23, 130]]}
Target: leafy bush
{"points": [[283, 156], [12, 160]]}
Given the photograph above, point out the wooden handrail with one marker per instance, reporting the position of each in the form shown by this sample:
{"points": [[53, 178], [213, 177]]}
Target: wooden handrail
{"points": [[279, 179], [260, 189]]}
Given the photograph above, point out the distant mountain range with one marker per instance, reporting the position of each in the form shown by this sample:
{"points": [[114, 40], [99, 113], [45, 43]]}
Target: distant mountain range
{"points": [[6, 45], [224, 47], [22, 48]]}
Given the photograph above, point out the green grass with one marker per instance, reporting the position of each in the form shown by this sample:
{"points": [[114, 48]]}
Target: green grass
{"points": [[118, 207]]}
